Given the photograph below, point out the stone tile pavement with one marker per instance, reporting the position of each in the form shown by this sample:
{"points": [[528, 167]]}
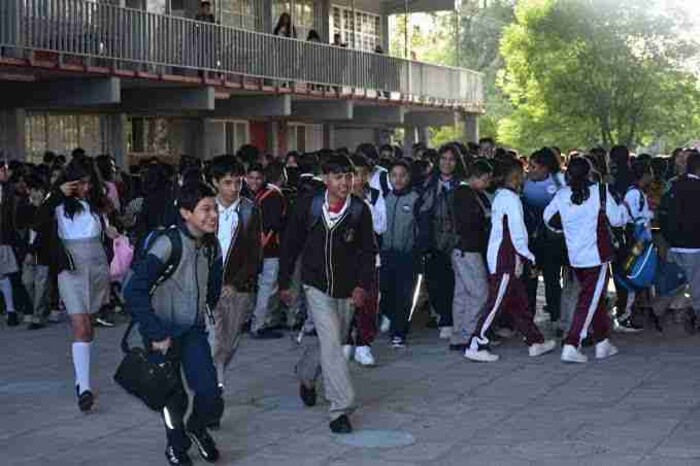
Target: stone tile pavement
{"points": [[641, 407]]}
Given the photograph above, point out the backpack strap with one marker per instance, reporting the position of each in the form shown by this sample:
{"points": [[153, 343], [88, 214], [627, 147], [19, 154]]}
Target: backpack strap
{"points": [[175, 253], [315, 211], [384, 182], [373, 196]]}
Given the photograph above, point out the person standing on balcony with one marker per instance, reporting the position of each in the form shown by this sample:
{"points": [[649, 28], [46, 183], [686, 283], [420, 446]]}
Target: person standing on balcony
{"points": [[205, 13], [285, 27]]}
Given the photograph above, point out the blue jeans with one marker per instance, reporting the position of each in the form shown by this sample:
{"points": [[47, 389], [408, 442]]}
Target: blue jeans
{"points": [[194, 354]]}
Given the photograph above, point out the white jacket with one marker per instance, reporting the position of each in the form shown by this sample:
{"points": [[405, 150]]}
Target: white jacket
{"points": [[508, 238], [580, 224]]}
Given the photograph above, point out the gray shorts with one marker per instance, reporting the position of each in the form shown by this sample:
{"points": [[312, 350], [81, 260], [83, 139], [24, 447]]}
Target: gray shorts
{"points": [[86, 289]]}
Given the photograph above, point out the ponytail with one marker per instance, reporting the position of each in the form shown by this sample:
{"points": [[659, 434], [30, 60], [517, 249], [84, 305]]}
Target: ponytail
{"points": [[578, 174]]}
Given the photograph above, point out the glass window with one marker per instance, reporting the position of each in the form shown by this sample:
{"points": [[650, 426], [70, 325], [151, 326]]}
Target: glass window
{"points": [[361, 31]]}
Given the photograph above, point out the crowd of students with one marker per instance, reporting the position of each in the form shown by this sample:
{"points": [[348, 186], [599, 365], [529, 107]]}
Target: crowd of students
{"points": [[336, 247]]}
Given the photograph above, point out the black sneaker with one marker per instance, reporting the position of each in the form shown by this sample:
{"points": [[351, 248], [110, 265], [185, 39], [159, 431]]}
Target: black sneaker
{"points": [[12, 319], [266, 334], [689, 322], [398, 343], [177, 457], [85, 401], [205, 444], [35, 326], [341, 425], [307, 395], [459, 346]]}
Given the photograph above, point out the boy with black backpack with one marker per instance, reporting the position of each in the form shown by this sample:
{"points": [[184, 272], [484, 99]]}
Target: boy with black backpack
{"points": [[333, 233], [175, 280]]}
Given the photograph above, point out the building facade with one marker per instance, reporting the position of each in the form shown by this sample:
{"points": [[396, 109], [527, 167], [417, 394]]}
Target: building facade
{"points": [[142, 78]]}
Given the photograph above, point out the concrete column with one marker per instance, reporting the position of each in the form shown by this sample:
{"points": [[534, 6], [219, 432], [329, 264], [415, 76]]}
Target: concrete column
{"points": [[385, 33], [114, 137], [325, 29], [267, 20], [12, 134], [424, 135], [471, 127], [329, 136], [409, 139], [212, 141]]}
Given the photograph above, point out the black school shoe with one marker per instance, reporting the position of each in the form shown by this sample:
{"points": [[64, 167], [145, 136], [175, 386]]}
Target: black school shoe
{"points": [[266, 334], [205, 444], [459, 346], [341, 425], [12, 319], [177, 458], [85, 400], [307, 395]]}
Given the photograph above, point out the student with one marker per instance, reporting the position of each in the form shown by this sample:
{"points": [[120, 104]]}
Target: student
{"points": [[171, 314], [81, 250], [399, 252], [266, 184], [506, 254], [638, 227], [681, 229], [365, 322], [544, 179], [582, 211], [35, 274], [332, 231], [239, 238], [472, 220], [437, 223], [8, 261]]}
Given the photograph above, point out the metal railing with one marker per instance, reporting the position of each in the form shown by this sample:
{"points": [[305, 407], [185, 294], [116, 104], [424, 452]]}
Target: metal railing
{"points": [[135, 39]]}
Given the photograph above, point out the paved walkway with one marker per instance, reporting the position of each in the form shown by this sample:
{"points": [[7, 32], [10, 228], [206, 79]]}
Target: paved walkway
{"points": [[641, 407]]}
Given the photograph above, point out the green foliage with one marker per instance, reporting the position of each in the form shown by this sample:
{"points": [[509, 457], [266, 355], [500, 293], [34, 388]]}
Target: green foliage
{"points": [[584, 72]]}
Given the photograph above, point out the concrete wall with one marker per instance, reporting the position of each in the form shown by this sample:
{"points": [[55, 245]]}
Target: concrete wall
{"points": [[352, 137]]}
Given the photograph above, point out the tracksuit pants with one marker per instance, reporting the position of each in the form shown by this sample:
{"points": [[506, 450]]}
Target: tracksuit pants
{"points": [[470, 295], [397, 281], [590, 308], [332, 318], [230, 315], [507, 295], [194, 354], [365, 320]]}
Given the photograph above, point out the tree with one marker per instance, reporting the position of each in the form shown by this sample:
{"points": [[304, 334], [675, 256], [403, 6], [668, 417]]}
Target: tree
{"points": [[581, 72]]}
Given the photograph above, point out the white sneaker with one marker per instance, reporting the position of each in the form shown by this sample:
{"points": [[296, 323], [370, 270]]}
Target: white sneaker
{"points": [[538, 349], [572, 354], [363, 356], [55, 316], [480, 355], [348, 350], [385, 326], [605, 349], [27, 319], [445, 333]]}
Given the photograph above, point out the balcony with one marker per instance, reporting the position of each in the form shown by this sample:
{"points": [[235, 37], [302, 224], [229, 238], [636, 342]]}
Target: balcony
{"points": [[86, 36]]}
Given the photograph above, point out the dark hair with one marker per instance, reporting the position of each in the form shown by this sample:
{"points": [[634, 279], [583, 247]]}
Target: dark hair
{"points": [[369, 151], [693, 162], [620, 154], [105, 165], [275, 171], [256, 167], [402, 163], [191, 194], [192, 175], [292, 154], [337, 164], [225, 165], [291, 31], [49, 157], [78, 152], [578, 177], [308, 163], [480, 167], [248, 154], [487, 141], [460, 168], [504, 169], [313, 36], [640, 168], [546, 158], [431, 155], [78, 168], [360, 161]]}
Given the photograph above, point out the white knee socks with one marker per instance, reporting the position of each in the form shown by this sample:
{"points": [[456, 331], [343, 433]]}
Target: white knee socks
{"points": [[6, 289], [81, 362]]}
